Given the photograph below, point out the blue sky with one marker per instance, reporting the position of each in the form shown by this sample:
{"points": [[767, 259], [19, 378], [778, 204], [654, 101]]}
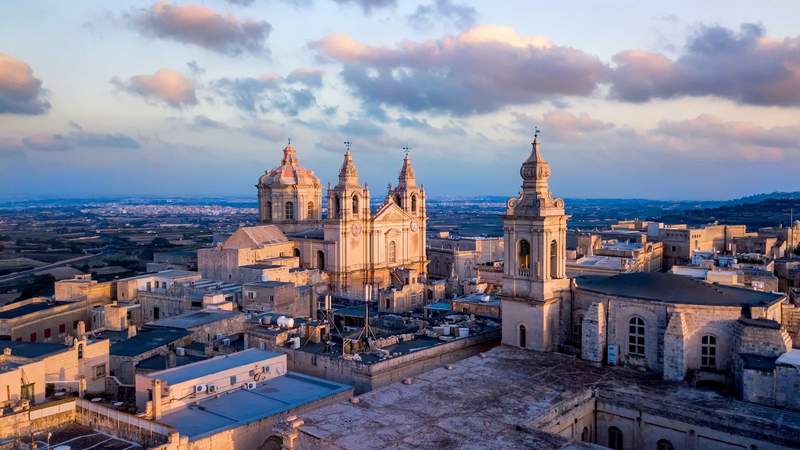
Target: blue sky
{"points": [[670, 100]]}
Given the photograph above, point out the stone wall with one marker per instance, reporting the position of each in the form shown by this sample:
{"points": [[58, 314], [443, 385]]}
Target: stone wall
{"points": [[366, 377]]}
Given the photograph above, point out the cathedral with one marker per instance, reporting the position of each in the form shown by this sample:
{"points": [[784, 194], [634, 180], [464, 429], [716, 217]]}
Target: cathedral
{"points": [[353, 244]]}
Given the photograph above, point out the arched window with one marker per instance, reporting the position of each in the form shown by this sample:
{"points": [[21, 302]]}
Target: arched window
{"points": [[585, 434], [414, 204], [355, 205], [554, 259], [708, 352], [289, 212], [524, 256], [522, 337], [80, 351], [636, 336], [398, 200], [664, 444], [310, 211], [320, 260], [392, 252], [337, 207], [269, 210], [297, 252], [615, 441]]}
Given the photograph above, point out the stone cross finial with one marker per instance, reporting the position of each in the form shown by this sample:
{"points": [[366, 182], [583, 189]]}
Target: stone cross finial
{"points": [[347, 144], [406, 149]]}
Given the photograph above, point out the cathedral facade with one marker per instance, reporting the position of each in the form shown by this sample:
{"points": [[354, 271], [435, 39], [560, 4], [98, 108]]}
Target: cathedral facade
{"points": [[355, 245]]}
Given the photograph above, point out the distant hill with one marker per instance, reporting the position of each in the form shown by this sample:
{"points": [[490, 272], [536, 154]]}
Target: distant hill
{"points": [[755, 214], [762, 197]]}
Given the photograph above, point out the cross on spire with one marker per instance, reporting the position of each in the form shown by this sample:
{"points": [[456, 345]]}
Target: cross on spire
{"points": [[347, 144], [536, 132], [406, 149], [290, 141]]}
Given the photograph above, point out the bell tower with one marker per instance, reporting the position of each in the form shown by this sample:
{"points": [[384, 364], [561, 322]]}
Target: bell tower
{"points": [[534, 279]]}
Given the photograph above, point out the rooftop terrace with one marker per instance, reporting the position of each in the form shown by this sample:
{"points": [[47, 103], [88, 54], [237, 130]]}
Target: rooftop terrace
{"points": [[240, 407], [218, 364]]}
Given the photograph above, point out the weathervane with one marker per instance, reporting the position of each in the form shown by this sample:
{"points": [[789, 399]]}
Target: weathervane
{"points": [[536, 132], [347, 144], [290, 141]]}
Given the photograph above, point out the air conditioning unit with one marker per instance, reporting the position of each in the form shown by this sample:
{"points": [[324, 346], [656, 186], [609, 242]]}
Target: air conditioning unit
{"points": [[212, 388], [250, 385], [226, 342], [200, 388]]}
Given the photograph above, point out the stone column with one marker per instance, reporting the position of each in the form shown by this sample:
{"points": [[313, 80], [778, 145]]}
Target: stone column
{"points": [[675, 348], [157, 399], [593, 334]]}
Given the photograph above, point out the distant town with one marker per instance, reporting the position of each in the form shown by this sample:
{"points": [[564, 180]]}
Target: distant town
{"points": [[182, 323]]}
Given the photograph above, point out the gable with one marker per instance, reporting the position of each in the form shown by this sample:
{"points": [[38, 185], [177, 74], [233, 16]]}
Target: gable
{"points": [[390, 212]]}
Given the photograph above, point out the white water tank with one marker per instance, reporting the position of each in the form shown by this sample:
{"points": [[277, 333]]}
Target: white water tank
{"points": [[463, 332], [285, 322]]}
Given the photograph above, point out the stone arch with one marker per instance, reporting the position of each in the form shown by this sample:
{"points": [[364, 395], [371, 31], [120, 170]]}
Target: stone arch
{"points": [[523, 256], [355, 205], [414, 203], [522, 336], [554, 259], [320, 260]]}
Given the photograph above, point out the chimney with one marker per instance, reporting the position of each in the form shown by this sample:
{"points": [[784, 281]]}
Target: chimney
{"points": [[156, 399], [81, 331], [7, 351], [131, 330], [171, 360]]}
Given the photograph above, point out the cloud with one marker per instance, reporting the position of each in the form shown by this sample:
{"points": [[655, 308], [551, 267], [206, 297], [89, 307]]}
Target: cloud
{"points": [[478, 71], [745, 66], [202, 26], [201, 121], [20, 91], [165, 85], [426, 16], [308, 77], [241, 2], [745, 139], [424, 126], [360, 127], [290, 95], [562, 124], [368, 6], [266, 129], [195, 68], [76, 139]]}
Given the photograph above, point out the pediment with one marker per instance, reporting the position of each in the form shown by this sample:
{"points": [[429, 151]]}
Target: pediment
{"points": [[390, 212]]}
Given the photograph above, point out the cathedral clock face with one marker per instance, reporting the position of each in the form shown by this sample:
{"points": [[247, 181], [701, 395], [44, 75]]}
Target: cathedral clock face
{"points": [[414, 226], [356, 229]]}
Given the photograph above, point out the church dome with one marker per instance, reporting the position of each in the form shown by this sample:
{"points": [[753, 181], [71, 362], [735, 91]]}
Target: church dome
{"points": [[289, 173]]}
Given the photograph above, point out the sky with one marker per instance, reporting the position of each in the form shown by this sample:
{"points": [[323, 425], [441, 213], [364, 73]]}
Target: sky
{"points": [[661, 100]]}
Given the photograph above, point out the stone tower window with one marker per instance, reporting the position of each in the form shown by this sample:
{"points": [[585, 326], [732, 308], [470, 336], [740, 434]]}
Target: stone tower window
{"points": [[289, 213], [664, 444], [355, 205], [708, 352], [310, 212], [392, 252], [320, 260], [522, 337], [398, 200], [337, 207], [553, 259], [269, 210], [615, 438], [636, 336], [414, 204], [524, 259]]}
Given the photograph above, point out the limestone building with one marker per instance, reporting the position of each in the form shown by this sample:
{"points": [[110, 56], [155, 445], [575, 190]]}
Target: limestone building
{"points": [[535, 282], [353, 244], [672, 325]]}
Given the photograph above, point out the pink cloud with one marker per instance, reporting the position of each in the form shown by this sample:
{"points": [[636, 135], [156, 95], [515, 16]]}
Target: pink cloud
{"points": [[20, 91], [165, 85]]}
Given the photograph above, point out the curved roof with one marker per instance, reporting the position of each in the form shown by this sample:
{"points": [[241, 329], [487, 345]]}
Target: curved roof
{"points": [[289, 173], [671, 288]]}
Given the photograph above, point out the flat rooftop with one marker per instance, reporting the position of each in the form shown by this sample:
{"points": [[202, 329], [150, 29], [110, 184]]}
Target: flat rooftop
{"points": [[240, 407], [267, 284], [495, 400], [146, 339], [10, 311], [32, 349], [217, 364], [194, 319], [671, 288]]}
